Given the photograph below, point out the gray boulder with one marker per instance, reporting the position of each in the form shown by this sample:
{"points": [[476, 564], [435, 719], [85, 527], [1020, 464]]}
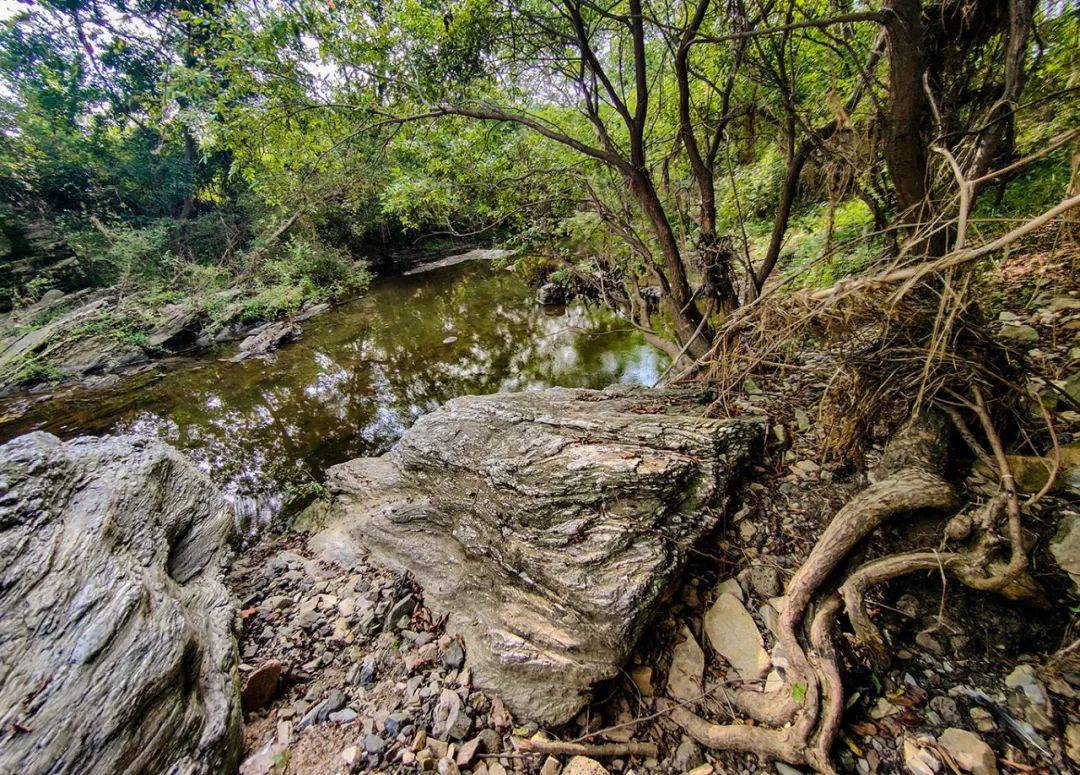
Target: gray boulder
{"points": [[117, 647], [547, 524]]}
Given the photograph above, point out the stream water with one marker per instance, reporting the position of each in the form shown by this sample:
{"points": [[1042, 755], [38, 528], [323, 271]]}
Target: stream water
{"points": [[266, 429]]}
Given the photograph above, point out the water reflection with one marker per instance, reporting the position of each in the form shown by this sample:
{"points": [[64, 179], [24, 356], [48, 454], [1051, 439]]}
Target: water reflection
{"points": [[265, 430]]}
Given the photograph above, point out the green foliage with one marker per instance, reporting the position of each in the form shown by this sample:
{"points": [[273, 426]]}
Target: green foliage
{"points": [[127, 329], [191, 130], [756, 189], [29, 368], [304, 270], [851, 248], [128, 254], [1036, 189]]}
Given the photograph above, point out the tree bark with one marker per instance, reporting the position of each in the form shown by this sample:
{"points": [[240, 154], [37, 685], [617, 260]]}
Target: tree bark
{"points": [[905, 149], [674, 285]]}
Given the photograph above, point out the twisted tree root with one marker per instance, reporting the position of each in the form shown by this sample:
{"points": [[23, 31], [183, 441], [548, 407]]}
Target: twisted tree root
{"points": [[877, 572], [825, 662], [782, 744], [910, 480]]}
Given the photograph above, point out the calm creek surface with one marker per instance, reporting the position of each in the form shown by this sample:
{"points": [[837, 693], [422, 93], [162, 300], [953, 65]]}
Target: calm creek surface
{"points": [[266, 429]]}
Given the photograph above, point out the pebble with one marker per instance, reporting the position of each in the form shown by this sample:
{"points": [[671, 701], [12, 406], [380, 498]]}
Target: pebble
{"points": [[374, 744], [770, 617], [342, 631], [969, 751], [747, 531], [367, 673], [261, 685], [982, 719], [1028, 698], [343, 716], [765, 580], [687, 669], [350, 756], [490, 741], [687, 755], [450, 717], [641, 675], [453, 655], [806, 468], [946, 708], [1072, 742], [276, 603], [730, 587], [467, 751], [399, 610], [919, 760], [583, 765], [734, 635], [1019, 332], [395, 722]]}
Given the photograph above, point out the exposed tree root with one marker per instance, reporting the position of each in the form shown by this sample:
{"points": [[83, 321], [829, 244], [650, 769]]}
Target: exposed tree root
{"points": [[781, 744], [910, 480], [855, 587], [601, 751], [802, 718]]}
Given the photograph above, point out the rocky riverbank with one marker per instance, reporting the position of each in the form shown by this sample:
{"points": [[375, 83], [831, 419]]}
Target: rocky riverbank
{"points": [[974, 685]]}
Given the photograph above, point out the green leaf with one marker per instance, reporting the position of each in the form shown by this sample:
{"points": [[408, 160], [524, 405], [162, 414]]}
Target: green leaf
{"points": [[798, 693]]}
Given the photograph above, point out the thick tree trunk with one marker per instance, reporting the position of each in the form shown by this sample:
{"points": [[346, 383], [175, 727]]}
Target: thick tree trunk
{"points": [[905, 149], [692, 329], [188, 206]]}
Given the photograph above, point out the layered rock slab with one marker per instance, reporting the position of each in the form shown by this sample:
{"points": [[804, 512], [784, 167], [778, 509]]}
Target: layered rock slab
{"points": [[117, 645], [547, 524]]}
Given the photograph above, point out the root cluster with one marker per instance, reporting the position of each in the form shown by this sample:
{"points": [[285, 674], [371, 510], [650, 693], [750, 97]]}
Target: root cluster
{"points": [[798, 723]]}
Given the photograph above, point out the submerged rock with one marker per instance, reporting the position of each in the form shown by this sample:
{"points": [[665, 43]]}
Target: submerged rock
{"points": [[266, 339], [116, 631], [547, 524]]}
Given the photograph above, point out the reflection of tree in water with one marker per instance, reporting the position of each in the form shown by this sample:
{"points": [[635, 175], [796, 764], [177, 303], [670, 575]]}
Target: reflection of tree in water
{"points": [[363, 373]]}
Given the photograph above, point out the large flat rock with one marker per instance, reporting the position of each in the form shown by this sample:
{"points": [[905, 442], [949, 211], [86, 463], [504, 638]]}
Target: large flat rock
{"points": [[547, 524], [117, 647]]}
